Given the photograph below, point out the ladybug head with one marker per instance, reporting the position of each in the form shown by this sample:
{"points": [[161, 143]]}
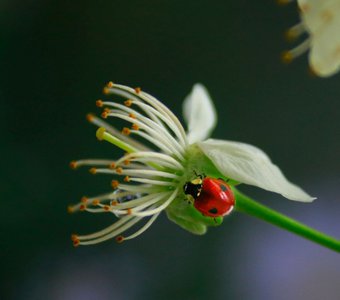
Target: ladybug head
{"points": [[193, 187]]}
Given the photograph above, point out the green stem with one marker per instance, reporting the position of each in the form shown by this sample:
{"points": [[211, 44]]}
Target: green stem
{"points": [[247, 205]]}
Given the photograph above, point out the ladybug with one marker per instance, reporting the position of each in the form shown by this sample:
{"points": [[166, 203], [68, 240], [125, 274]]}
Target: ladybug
{"points": [[212, 197]]}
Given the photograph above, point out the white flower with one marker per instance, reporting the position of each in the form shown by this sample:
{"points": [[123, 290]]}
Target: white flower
{"points": [[321, 20], [154, 172]]}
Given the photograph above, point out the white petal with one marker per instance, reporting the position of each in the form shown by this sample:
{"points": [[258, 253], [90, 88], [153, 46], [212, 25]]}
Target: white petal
{"points": [[199, 113], [248, 164], [325, 53]]}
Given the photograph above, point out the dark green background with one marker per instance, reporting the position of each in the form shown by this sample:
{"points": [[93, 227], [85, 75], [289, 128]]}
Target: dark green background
{"points": [[56, 57]]}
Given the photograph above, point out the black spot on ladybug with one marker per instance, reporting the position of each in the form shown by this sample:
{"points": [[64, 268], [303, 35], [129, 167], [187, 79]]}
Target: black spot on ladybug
{"points": [[223, 187], [213, 210]]}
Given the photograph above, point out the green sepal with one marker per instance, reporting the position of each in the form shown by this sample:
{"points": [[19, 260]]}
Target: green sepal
{"points": [[184, 214], [201, 164]]}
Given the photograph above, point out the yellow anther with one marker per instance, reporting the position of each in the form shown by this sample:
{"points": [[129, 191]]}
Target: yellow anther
{"points": [[89, 117], [82, 207], [138, 90], [99, 103], [126, 179], [119, 170], [76, 243], [73, 164], [119, 239], [114, 203], [74, 237], [70, 209], [106, 207], [112, 166], [135, 127], [84, 199], [133, 116], [110, 84], [286, 57], [93, 171], [114, 184], [104, 114], [129, 211], [95, 202], [128, 103], [126, 162], [126, 131], [106, 90]]}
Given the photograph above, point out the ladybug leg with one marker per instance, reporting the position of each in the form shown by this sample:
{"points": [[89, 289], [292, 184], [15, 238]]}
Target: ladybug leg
{"points": [[189, 199], [202, 176], [225, 180]]}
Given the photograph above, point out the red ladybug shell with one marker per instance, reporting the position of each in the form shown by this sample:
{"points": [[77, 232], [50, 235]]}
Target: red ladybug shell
{"points": [[216, 198]]}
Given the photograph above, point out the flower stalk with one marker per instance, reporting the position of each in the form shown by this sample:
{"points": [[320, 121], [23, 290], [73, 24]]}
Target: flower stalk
{"points": [[248, 206]]}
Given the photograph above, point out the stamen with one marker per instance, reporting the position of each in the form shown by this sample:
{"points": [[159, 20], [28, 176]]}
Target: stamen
{"points": [[288, 56], [128, 222], [159, 158], [143, 229], [153, 182], [113, 131], [143, 202], [172, 120], [156, 134], [126, 179], [159, 208], [145, 172], [112, 166], [294, 32], [90, 162], [162, 144], [133, 116]]}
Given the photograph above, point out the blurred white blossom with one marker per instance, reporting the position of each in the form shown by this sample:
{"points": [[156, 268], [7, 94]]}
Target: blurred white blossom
{"points": [[320, 19]]}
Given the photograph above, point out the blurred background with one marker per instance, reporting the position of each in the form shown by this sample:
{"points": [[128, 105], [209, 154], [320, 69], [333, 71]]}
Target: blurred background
{"points": [[55, 58]]}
